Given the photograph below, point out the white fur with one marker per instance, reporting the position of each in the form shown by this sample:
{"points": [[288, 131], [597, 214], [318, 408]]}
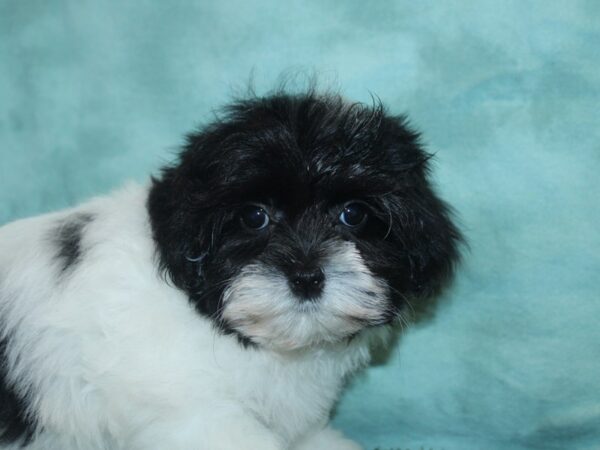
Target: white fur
{"points": [[260, 304], [113, 357]]}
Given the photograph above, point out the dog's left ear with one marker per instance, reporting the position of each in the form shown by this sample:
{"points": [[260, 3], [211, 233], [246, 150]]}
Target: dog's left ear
{"points": [[435, 240], [424, 224]]}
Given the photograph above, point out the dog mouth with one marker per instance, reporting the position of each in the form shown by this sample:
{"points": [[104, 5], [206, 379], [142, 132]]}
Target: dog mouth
{"points": [[327, 305]]}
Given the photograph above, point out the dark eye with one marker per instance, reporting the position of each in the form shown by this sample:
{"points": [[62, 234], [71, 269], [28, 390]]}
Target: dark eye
{"points": [[353, 215], [254, 217]]}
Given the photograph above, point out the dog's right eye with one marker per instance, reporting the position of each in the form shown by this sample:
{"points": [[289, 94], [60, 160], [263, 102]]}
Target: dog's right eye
{"points": [[254, 217], [353, 215]]}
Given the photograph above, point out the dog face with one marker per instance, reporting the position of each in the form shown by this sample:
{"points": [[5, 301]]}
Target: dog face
{"points": [[297, 220]]}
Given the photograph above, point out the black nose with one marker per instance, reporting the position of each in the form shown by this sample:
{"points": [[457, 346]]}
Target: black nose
{"points": [[307, 284]]}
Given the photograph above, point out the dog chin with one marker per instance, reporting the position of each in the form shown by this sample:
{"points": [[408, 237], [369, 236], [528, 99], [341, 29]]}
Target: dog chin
{"points": [[260, 306]]}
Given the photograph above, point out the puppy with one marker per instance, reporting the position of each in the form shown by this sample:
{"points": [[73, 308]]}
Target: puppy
{"points": [[223, 305]]}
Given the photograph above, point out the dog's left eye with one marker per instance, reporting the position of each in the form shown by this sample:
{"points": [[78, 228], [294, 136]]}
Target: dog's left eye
{"points": [[254, 217], [353, 215]]}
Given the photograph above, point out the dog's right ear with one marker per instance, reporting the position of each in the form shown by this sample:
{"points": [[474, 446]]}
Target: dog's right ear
{"points": [[181, 228], [185, 200]]}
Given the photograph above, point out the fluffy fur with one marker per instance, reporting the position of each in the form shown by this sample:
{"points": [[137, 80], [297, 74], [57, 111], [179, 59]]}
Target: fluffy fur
{"points": [[223, 305]]}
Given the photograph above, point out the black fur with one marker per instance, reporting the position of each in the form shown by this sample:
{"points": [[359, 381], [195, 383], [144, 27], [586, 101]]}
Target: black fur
{"points": [[15, 425], [302, 157], [67, 237]]}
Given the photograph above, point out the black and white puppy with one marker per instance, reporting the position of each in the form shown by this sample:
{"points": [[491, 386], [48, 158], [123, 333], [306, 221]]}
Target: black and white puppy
{"points": [[223, 305]]}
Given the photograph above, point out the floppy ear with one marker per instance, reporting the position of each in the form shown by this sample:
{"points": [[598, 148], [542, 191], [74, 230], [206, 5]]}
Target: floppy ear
{"points": [[434, 237], [424, 226], [180, 226]]}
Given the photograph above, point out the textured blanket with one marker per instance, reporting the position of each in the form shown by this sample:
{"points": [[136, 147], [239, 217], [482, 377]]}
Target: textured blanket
{"points": [[507, 95]]}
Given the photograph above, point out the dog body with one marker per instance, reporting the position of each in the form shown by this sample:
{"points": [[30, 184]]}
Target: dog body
{"points": [[111, 356], [223, 305]]}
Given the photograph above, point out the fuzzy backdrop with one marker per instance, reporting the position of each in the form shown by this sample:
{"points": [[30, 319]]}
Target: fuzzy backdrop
{"points": [[507, 94]]}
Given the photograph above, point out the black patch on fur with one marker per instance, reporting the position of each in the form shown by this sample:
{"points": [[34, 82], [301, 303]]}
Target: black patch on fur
{"points": [[67, 237], [15, 425], [302, 157]]}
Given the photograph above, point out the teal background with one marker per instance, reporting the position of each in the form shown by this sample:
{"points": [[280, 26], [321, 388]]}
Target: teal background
{"points": [[507, 94]]}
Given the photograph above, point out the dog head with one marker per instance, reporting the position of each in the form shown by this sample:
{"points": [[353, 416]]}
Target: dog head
{"points": [[297, 220]]}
